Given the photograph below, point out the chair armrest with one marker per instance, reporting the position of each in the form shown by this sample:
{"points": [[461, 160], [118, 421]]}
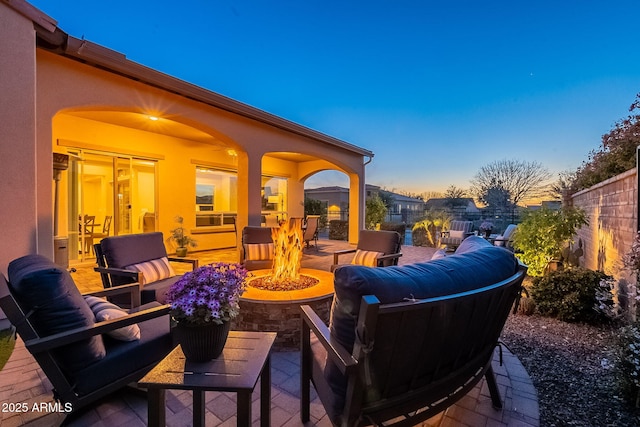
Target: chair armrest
{"points": [[134, 289], [118, 272], [336, 254], [389, 256], [335, 351], [193, 261], [63, 338], [382, 258]]}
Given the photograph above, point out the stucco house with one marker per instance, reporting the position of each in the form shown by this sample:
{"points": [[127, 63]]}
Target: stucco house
{"points": [[137, 147], [336, 200]]}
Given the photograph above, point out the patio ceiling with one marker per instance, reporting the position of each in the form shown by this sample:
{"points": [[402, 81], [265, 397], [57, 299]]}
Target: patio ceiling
{"points": [[170, 128]]}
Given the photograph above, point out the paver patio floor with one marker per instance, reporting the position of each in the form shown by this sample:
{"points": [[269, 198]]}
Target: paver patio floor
{"points": [[22, 381]]}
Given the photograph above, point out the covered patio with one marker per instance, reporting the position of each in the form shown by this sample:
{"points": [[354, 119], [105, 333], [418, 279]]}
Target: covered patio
{"points": [[23, 381], [135, 148]]}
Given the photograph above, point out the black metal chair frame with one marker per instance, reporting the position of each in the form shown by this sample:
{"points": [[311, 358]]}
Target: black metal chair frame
{"points": [[419, 367], [42, 347]]}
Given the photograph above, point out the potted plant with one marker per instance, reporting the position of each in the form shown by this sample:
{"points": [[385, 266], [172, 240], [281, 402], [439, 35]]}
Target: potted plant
{"points": [[180, 239], [203, 302], [486, 227]]}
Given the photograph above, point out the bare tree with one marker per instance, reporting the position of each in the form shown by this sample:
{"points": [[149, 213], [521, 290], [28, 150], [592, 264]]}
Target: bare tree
{"points": [[454, 192], [455, 196], [426, 195], [521, 180]]}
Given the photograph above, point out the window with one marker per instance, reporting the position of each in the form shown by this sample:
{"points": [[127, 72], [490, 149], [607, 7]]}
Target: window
{"points": [[216, 197], [274, 197]]}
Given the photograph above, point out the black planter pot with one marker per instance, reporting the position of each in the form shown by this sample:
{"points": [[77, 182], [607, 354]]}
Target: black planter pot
{"points": [[201, 343]]}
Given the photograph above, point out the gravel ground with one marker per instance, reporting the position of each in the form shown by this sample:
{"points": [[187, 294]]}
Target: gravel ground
{"points": [[571, 366]]}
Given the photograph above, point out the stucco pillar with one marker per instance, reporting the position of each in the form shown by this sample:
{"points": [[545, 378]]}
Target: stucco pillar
{"points": [[249, 185], [357, 198], [18, 185]]}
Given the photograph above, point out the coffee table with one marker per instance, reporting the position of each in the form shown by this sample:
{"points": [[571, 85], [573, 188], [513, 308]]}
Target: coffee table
{"points": [[245, 358]]}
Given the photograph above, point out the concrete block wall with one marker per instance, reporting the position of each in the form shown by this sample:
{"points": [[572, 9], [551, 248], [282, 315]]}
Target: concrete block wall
{"points": [[612, 210]]}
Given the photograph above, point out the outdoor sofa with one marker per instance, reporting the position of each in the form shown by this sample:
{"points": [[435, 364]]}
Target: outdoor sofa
{"points": [[409, 341]]}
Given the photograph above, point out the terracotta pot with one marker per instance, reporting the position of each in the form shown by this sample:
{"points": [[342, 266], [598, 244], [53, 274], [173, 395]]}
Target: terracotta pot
{"points": [[201, 343]]}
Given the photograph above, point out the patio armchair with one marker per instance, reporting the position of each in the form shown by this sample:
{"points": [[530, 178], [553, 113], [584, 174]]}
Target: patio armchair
{"points": [[506, 238], [256, 251], [311, 230], [140, 258], [374, 249], [84, 358], [457, 232]]}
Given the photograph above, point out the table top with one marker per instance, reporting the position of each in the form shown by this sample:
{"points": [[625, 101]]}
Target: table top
{"points": [[237, 368]]}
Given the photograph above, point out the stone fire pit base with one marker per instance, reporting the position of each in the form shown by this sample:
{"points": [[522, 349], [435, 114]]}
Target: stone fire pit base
{"points": [[279, 311]]}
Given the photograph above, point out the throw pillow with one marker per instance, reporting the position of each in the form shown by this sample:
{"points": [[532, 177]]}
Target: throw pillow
{"points": [[456, 234], [366, 258], [154, 270], [104, 310], [258, 251]]}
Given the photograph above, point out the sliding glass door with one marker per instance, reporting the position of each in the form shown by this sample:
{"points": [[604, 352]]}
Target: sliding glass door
{"points": [[108, 194]]}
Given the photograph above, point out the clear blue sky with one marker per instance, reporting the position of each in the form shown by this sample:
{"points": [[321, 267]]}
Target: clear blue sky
{"points": [[435, 89]]}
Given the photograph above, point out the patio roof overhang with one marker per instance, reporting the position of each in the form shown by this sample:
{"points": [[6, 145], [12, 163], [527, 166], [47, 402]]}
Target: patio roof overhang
{"points": [[53, 39]]}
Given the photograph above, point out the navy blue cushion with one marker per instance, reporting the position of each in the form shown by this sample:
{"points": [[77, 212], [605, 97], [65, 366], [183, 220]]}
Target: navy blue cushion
{"points": [[476, 264], [128, 249], [41, 286], [126, 357]]}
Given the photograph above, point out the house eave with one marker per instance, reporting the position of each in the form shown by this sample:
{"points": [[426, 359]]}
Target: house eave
{"points": [[53, 39]]}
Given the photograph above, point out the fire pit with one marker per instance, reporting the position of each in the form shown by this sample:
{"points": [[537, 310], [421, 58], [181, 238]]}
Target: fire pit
{"points": [[272, 305], [278, 311]]}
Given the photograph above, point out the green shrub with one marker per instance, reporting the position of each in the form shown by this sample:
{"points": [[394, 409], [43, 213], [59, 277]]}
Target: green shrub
{"points": [[543, 233], [7, 342], [375, 211], [425, 230], [400, 228], [573, 295], [628, 364], [338, 229]]}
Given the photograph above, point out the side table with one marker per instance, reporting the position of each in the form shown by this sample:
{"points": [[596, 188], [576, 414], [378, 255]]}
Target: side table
{"points": [[246, 356]]}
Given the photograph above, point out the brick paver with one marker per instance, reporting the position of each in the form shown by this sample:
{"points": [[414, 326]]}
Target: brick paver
{"points": [[22, 382]]}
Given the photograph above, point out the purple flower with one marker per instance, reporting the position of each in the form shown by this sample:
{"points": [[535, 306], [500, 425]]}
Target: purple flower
{"points": [[209, 293]]}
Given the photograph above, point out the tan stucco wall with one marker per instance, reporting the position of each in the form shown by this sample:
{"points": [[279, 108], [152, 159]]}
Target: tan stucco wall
{"points": [[612, 210], [18, 172]]}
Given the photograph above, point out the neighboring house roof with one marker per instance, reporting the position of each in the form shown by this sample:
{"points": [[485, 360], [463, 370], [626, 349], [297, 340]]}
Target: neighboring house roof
{"points": [[445, 203], [52, 38], [329, 189], [402, 198], [337, 189]]}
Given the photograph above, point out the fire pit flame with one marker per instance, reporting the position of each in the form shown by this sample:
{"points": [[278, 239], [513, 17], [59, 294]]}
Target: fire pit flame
{"points": [[287, 255], [287, 259]]}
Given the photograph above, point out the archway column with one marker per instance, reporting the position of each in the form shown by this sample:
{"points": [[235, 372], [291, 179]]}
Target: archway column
{"points": [[357, 197], [249, 186]]}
